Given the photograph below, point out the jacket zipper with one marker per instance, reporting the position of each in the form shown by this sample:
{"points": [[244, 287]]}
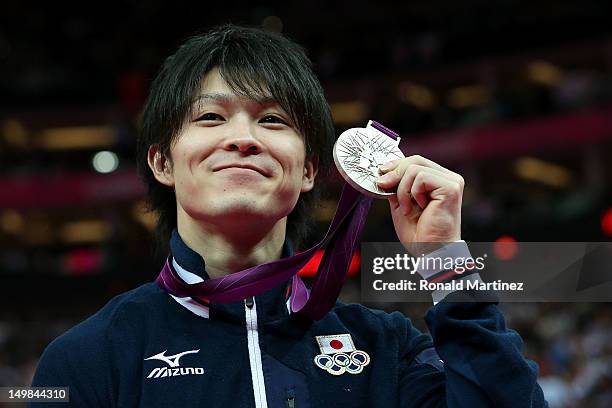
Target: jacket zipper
{"points": [[259, 386], [290, 398]]}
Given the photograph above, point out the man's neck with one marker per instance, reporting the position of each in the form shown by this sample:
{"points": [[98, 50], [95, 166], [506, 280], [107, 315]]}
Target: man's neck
{"points": [[225, 251]]}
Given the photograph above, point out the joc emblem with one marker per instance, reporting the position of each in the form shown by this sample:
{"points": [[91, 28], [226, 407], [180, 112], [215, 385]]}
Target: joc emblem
{"points": [[339, 356]]}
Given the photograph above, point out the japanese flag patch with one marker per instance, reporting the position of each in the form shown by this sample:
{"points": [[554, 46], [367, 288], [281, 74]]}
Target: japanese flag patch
{"points": [[336, 343]]}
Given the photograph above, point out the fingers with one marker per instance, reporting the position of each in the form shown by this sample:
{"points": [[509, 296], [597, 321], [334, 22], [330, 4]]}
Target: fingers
{"points": [[415, 159], [395, 169], [429, 185], [419, 182], [420, 179], [409, 207]]}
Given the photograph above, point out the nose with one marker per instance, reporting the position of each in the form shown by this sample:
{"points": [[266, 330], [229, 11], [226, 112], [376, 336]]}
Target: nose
{"points": [[243, 141], [244, 144]]}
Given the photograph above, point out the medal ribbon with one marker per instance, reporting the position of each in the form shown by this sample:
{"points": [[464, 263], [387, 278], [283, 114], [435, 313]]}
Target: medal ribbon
{"points": [[341, 240]]}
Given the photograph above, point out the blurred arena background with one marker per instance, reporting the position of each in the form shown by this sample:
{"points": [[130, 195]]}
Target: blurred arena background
{"points": [[514, 95]]}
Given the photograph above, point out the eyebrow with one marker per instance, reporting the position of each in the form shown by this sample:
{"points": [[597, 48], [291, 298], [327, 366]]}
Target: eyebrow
{"points": [[230, 98]]}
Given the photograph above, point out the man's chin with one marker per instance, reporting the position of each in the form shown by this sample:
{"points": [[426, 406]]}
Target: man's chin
{"points": [[238, 209], [245, 220], [243, 212]]}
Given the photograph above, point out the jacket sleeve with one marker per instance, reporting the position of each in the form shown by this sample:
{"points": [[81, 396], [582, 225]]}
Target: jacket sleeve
{"points": [[79, 363], [476, 362]]}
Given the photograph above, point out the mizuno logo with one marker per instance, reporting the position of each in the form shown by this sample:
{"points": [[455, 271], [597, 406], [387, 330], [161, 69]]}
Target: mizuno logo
{"points": [[174, 363]]}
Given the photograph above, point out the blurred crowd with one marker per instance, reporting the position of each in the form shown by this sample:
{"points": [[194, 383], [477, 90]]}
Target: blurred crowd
{"points": [[571, 344]]}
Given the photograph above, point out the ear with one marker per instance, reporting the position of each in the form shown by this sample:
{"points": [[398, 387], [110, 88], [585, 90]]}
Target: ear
{"points": [[160, 166], [311, 168]]}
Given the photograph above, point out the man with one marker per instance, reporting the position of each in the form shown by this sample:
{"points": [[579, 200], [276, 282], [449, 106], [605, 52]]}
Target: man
{"points": [[235, 131]]}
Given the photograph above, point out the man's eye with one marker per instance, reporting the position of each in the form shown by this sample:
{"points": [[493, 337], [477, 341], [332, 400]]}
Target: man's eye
{"points": [[272, 119], [209, 116]]}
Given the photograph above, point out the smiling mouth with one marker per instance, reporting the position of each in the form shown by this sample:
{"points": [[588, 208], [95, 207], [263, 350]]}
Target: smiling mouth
{"points": [[243, 168]]}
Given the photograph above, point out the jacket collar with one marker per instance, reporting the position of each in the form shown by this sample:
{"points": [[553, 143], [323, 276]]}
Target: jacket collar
{"points": [[192, 262], [190, 266]]}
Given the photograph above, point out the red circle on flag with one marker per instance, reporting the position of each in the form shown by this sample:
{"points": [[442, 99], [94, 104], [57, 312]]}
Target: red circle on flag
{"points": [[335, 344]]}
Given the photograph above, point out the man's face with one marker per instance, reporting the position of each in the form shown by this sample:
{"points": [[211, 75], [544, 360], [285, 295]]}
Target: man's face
{"points": [[237, 159]]}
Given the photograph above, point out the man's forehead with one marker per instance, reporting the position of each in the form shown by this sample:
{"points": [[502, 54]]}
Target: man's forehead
{"points": [[215, 89]]}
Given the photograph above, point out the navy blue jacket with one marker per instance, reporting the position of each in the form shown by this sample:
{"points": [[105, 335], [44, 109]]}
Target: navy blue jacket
{"points": [[146, 348]]}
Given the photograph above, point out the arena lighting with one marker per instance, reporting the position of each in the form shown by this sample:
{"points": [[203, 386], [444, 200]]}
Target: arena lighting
{"points": [[69, 189], [85, 231], [544, 73], [505, 247], [467, 96], [310, 269], [416, 95], [14, 133], [105, 162], [349, 113], [533, 169], [12, 222], [83, 261], [606, 222], [77, 137]]}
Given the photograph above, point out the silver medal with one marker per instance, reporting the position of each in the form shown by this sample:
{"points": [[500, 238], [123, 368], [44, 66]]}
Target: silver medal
{"points": [[358, 154]]}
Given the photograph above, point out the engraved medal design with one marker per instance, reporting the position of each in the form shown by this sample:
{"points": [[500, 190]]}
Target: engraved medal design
{"points": [[359, 152]]}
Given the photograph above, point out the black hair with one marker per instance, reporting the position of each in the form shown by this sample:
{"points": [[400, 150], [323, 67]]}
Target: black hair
{"points": [[255, 64]]}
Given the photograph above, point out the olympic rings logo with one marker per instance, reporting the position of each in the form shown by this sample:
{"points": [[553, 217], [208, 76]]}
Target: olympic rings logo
{"points": [[340, 363]]}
